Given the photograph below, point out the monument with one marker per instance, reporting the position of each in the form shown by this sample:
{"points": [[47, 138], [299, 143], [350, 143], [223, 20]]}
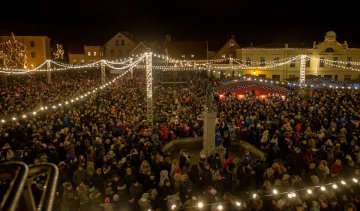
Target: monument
{"points": [[209, 122]]}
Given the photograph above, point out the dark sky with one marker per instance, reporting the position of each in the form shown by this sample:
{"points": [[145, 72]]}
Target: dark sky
{"points": [[249, 20]]}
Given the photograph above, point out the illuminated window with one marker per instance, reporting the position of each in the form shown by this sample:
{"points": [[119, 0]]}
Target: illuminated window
{"points": [[33, 55], [349, 60], [94, 53], [335, 61], [292, 63], [322, 62], [248, 61], [276, 61], [183, 56], [192, 55], [262, 61], [307, 63], [32, 44], [89, 53]]}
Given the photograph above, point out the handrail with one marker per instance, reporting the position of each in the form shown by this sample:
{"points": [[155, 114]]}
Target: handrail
{"points": [[20, 195], [49, 188], [16, 172]]}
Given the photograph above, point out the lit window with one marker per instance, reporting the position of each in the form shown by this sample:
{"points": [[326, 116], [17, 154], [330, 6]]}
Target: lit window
{"points": [[292, 63], [349, 60], [89, 53], [94, 53], [192, 55], [335, 61], [262, 61], [276, 61], [322, 62]]}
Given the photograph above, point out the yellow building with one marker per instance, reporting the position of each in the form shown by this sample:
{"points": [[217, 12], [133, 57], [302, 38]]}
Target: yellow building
{"points": [[37, 48], [329, 59], [93, 53]]}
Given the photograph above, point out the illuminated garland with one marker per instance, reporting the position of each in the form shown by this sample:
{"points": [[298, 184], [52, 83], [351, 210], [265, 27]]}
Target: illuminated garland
{"points": [[290, 195], [66, 103]]}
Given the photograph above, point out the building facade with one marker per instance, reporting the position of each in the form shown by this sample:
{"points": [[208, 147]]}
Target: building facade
{"points": [[93, 53], [37, 48], [329, 59], [119, 46]]}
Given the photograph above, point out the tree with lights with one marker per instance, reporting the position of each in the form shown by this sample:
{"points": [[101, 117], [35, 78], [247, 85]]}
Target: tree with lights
{"points": [[59, 53], [13, 54]]}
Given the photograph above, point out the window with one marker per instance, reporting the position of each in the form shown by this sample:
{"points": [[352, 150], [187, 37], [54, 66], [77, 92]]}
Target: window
{"points": [[32, 44], [192, 55], [89, 53], [117, 42], [328, 76], [33, 55], [248, 61], [349, 60], [335, 61], [291, 76], [322, 62], [231, 45], [94, 53], [122, 42], [262, 61], [336, 77], [262, 75], [347, 78], [276, 77], [276, 61], [328, 50], [307, 62], [292, 63]]}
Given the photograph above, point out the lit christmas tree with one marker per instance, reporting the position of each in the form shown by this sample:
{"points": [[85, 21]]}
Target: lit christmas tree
{"points": [[13, 54], [59, 53]]}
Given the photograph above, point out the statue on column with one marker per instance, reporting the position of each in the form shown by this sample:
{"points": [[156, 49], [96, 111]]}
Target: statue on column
{"points": [[209, 97]]}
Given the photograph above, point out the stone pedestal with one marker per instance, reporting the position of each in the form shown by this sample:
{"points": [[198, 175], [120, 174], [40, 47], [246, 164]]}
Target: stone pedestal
{"points": [[209, 132]]}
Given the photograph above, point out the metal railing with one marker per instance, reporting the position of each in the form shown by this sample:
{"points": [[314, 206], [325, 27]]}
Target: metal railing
{"points": [[23, 181]]}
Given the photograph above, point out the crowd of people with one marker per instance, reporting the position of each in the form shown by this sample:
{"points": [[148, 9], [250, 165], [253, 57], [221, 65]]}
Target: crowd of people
{"points": [[111, 158]]}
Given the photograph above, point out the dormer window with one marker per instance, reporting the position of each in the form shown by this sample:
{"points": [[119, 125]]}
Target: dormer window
{"points": [[329, 50]]}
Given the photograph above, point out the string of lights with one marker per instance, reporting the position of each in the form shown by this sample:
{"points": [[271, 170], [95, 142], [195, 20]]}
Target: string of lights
{"points": [[42, 109], [332, 63], [286, 195]]}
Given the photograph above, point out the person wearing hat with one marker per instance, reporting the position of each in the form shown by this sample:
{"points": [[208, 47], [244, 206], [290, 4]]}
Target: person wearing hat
{"points": [[68, 202]]}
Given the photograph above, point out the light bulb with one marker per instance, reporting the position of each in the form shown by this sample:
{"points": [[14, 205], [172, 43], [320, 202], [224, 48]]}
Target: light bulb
{"points": [[275, 191], [322, 188], [238, 204], [254, 195], [309, 191], [220, 207], [355, 180], [200, 205]]}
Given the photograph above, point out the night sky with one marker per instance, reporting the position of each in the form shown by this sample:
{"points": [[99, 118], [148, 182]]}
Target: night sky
{"points": [[253, 21]]}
